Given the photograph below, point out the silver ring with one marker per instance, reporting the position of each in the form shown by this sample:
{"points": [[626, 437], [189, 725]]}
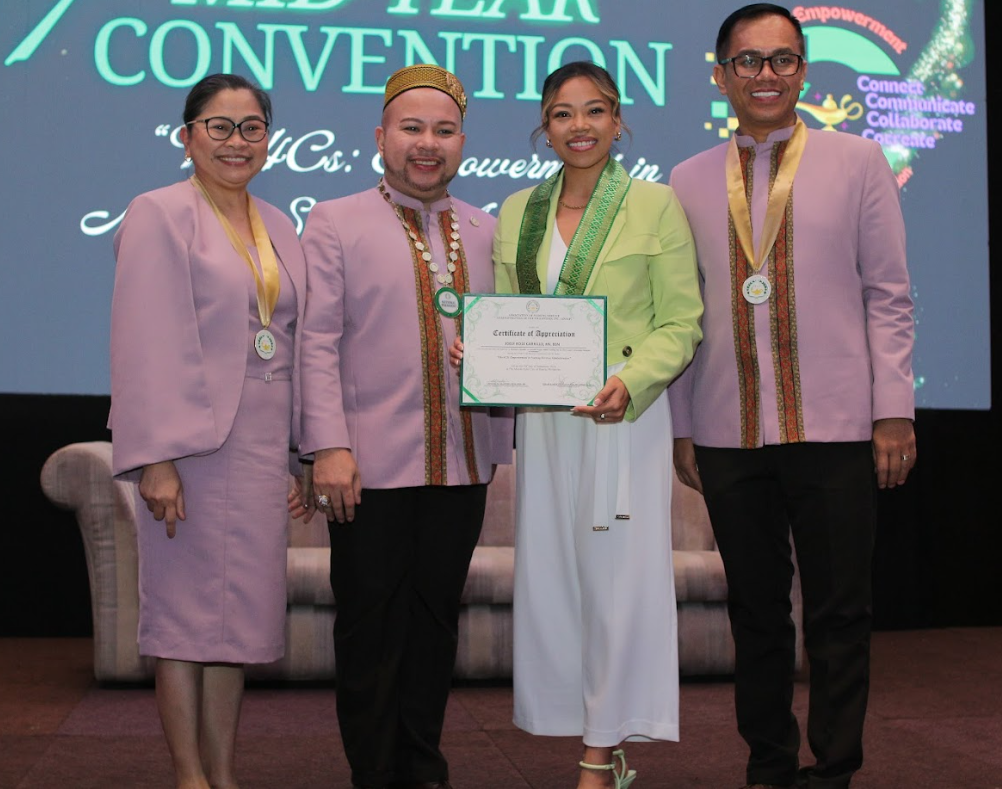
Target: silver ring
{"points": [[904, 458], [601, 416], [323, 500]]}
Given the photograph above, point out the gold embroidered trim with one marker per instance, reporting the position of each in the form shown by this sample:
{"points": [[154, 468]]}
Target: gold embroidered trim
{"points": [[743, 317], [783, 321]]}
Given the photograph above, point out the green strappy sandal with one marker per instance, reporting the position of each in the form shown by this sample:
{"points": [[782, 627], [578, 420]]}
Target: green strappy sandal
{"points": [[622, 777]]}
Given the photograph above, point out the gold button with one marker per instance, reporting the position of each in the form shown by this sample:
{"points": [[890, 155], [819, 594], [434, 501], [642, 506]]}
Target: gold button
{"points": [[627, 351]]}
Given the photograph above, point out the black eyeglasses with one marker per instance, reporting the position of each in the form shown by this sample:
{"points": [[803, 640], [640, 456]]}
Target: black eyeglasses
{"points": [[785, 64], [251, 129]]}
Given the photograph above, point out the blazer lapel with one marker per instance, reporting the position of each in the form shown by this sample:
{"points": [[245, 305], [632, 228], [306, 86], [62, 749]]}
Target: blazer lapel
{"points": [[610, 242]]}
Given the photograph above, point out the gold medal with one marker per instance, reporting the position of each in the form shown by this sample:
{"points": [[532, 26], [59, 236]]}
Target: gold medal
{"points": [[266, 282], [756, 289], [737, 203], [264, 344]]}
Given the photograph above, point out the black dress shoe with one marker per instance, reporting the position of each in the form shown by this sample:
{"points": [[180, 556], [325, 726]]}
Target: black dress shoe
{"points": [[422, 785]]}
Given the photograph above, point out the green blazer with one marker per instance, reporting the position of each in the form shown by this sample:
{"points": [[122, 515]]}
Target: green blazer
{"points": [[646, 269]]}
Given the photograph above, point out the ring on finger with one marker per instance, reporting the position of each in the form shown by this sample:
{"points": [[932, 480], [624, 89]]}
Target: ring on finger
{"points": [[323, 500], [602, 417]]}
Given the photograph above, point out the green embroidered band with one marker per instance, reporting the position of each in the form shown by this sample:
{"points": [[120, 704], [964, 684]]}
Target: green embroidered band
{"points": [[583, 251]]}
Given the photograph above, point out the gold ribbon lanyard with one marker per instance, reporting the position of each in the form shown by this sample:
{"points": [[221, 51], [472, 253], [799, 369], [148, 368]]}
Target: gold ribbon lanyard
{"points": [[266, 281], [757, 288]]}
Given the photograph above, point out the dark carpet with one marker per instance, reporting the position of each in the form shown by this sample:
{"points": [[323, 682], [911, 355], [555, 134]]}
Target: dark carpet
{"points": [[935, 720]]}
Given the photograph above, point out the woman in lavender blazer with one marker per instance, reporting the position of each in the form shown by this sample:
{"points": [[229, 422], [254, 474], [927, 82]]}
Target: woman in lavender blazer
{"points": [[208, 303]]}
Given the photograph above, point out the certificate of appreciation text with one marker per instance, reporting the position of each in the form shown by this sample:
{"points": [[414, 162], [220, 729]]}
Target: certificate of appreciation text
{"points": [[532, 350]]}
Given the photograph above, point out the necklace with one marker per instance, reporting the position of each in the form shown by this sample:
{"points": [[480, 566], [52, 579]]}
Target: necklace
{"points": [[420, 242], [571, 207], [446, 298]]}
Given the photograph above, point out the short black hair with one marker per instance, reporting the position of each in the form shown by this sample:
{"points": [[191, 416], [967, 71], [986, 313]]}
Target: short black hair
{"points": [[754, 11], [206, 88]]}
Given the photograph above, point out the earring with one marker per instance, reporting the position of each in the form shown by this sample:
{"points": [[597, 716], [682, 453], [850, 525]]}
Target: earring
{"points": [[187, 158], [548, 143], [619, 136]]}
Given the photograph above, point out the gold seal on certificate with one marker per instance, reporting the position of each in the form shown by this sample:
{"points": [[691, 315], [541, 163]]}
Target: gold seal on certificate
{"points": [[532, 350], [264, 344], [756, 289]]}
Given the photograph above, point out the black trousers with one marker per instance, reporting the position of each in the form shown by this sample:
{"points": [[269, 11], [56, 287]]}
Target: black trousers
{"points": [[825, 494], [397, 572]]}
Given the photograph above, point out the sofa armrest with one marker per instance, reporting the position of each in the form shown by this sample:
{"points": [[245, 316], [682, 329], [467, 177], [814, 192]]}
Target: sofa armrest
{"points": [[78, 477]]}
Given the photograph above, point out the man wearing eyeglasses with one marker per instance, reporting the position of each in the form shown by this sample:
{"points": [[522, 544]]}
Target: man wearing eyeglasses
{"points": [[799, 402]]}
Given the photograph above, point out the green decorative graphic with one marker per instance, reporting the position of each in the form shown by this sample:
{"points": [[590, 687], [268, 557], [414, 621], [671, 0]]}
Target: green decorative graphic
{"points": [[949, 50], [837, 45], [33, 40], [920, 123]]}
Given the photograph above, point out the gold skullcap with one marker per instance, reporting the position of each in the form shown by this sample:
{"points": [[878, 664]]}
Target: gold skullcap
{"points": [[424, 75]]}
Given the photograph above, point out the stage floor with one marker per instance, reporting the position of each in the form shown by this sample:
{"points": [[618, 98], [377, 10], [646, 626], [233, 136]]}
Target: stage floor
{"points": [[935, 720]]}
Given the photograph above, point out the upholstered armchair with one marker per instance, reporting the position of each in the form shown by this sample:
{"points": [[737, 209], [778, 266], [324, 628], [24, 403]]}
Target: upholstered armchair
{"points": [[78, 478]]}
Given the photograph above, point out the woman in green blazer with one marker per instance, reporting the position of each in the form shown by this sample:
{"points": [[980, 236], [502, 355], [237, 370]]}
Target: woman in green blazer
{"points": [[596, 650]]}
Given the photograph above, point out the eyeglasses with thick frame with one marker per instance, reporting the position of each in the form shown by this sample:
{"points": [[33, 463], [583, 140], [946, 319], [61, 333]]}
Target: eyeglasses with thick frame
{"points": [[748, 66], [220, 128]]}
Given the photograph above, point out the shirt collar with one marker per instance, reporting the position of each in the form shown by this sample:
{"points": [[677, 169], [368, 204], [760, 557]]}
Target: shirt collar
{"points": [[412, 202], [746, 141]]}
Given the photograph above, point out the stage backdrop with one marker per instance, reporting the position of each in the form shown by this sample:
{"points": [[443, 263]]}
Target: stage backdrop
{"points": [[92, 92]]}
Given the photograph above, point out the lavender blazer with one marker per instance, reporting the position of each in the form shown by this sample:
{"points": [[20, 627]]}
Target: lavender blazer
{"points": [[363, 368], [179, 326], [853, 322]]}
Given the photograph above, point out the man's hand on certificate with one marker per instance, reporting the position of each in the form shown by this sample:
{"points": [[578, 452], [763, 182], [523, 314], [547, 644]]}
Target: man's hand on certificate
{"points": [[456, 353], [609, 405]]}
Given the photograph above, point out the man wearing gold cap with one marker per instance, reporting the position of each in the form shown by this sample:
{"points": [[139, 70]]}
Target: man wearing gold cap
{"points": [[400, 471]]}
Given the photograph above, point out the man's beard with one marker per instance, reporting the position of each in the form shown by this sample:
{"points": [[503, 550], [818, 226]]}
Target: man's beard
{"points": [[401, 177]]}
